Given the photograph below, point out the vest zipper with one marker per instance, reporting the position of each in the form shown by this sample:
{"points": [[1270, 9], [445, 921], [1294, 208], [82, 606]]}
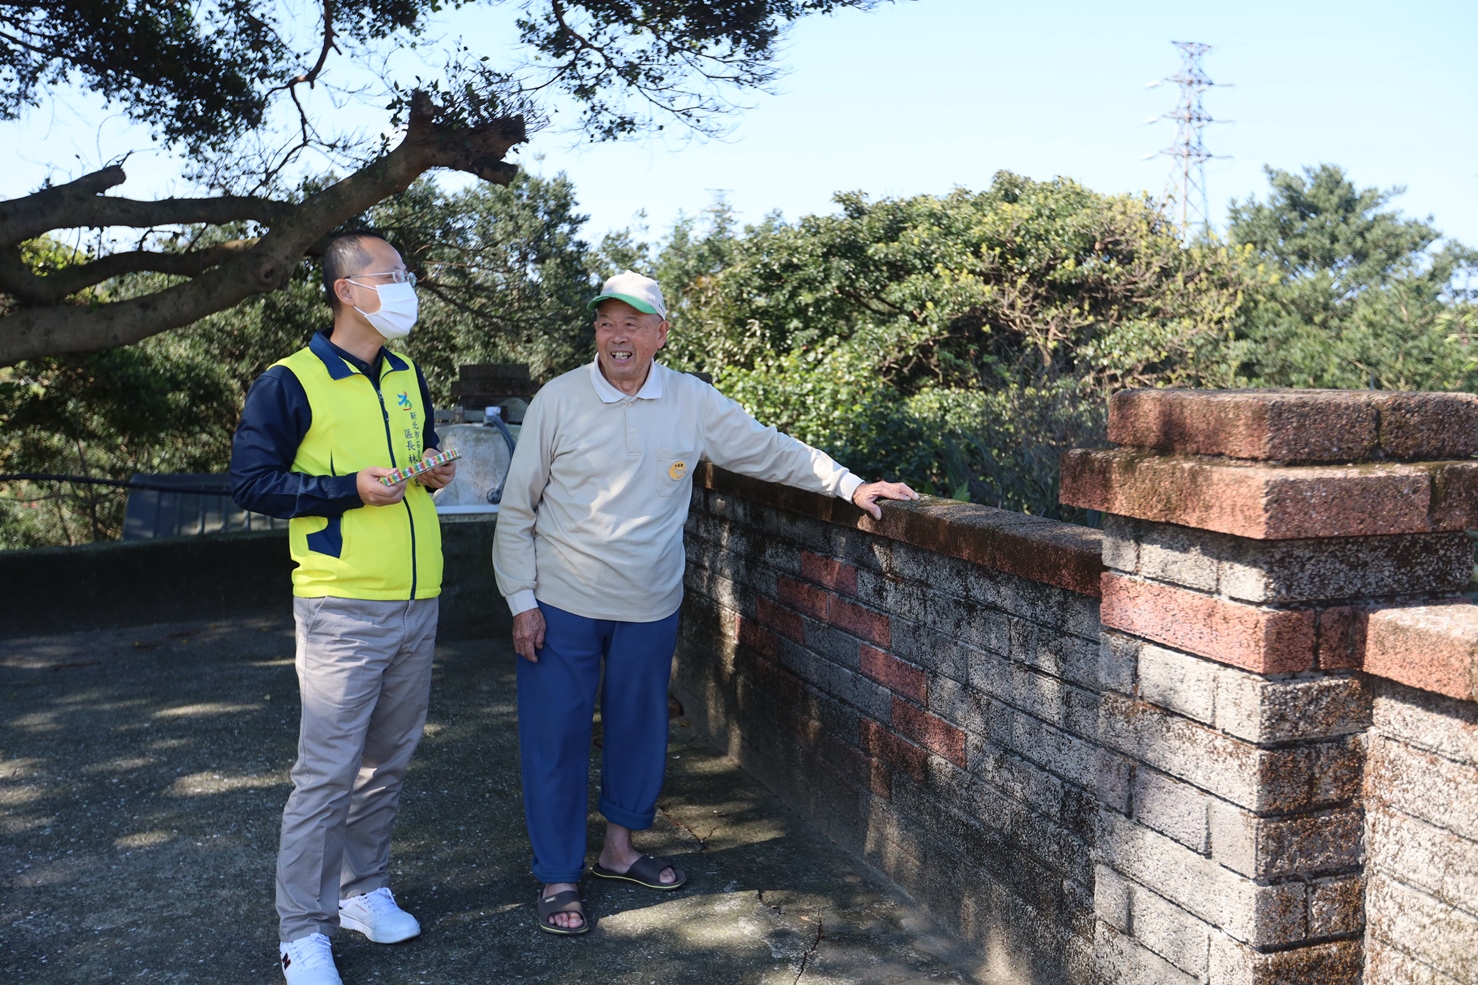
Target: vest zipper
{"points": [[409, 516]]}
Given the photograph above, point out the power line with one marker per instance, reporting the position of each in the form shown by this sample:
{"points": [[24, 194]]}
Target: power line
{"points": [[1186, 187]]}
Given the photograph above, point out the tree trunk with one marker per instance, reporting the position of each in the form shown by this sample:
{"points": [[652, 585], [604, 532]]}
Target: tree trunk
{"points": [[47, 328]]}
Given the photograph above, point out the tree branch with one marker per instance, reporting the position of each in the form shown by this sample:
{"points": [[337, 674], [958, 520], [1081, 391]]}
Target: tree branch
{"points": [[267, 265], [38, 207], [81, 203], [311, 76], [35, 290], [305, 126]]}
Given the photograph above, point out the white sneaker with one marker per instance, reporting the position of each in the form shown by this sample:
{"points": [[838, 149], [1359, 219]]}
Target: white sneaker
{"points": [[376, 916], [309, 961]]}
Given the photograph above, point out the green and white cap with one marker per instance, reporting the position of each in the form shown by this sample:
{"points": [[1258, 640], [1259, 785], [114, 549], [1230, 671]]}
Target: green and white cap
{"points": [[642, 293]]}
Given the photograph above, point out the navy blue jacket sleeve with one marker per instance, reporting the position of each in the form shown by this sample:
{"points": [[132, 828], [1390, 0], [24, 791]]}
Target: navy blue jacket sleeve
{"points": [[430, 439], [273, 422]]}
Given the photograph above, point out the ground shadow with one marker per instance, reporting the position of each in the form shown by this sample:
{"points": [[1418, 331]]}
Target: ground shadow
{"points": [[142, 776]]}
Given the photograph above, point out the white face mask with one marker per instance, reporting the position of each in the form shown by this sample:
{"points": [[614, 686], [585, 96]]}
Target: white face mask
{"points": [[398, 309]]}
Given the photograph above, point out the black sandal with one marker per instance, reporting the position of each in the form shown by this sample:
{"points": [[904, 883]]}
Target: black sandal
{"points": [[560, 902], [645, 871]]}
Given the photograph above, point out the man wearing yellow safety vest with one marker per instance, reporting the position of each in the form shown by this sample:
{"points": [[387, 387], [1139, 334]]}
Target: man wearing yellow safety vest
{"points": [[320, 429]]}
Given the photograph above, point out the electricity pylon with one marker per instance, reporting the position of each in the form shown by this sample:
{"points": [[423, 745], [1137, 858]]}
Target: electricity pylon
{"points": [[1186, 187]]}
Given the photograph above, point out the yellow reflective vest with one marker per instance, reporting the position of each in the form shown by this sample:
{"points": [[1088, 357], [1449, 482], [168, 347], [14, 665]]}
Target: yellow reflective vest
{"points": [[371, 552]]}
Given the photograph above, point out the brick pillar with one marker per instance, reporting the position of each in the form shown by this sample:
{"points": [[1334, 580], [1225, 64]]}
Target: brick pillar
{"points": [[1244, 533]]}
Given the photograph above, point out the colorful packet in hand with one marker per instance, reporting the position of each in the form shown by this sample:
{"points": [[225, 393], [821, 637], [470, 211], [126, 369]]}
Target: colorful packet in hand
{"points": [[420, 468]]}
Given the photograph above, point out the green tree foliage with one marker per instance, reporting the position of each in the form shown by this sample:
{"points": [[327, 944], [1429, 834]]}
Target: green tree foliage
{"points": [[963, 342], [1361, 296], [504, 275], [198, 74], [957, 342]]}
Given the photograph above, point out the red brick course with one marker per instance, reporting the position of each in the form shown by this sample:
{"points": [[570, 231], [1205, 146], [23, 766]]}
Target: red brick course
{"points": [[1266, 641], [1271, 502], [869, 625], [822, 605], [753, 634], [930, 731], [1048, 551], [1289, 425], [1428, 426], [880, 779], [1454, 494], [813, 600], [1432, 647], [1337, 639], [782, 620], [894, 750], [839, 576], [1297, 425], [892, 673]]}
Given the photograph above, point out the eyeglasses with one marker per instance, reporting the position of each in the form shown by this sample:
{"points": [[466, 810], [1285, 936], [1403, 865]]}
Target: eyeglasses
{"points": [[396, 277]]}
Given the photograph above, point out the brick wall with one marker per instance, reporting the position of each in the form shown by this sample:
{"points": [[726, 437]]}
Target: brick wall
{"points": [[934, 714], [1283, 570], [1241, 846], [1233, 739], [1422, 839], [1421, 796]]}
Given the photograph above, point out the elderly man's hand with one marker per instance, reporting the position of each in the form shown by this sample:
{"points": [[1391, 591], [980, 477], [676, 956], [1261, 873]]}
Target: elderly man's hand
{"points": [[439, 476], [528, 634], [868, 494]]}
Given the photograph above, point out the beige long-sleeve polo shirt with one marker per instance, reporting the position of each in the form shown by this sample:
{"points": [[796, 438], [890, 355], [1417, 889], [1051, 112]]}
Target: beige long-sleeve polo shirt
{"points": [[592, 514]]}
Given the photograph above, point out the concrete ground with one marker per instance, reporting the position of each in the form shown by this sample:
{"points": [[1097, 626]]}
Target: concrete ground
{"points": [[142, 778]]}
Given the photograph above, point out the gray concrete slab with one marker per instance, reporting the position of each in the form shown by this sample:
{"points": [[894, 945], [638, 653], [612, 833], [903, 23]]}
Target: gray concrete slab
{"points": [[142, 777]]}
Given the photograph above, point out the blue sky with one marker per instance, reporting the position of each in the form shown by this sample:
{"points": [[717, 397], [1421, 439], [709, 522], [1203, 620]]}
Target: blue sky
{"points": [[923, 96]]}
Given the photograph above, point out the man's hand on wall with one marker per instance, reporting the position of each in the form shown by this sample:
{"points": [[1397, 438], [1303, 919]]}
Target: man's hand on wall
{"points": [[438, 476], [868, 494], [528, 634], [372, 492]]}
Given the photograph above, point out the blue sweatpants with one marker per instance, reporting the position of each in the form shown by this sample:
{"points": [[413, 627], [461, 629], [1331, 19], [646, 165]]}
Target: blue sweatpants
{"points": [[556, 701]]}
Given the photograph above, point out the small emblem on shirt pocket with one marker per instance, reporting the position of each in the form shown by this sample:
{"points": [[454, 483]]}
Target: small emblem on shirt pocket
{"points": [[674, 464]]}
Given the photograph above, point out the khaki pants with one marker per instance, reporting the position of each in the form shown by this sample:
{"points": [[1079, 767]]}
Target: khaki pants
{"points": [[364, 671]]}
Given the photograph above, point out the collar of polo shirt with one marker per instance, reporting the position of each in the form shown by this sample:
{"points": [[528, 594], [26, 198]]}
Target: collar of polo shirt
{"points": [[650, 390]]}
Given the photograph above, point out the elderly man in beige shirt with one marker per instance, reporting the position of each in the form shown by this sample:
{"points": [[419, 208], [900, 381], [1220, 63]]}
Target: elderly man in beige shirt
{"points": [[589, 554]]}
